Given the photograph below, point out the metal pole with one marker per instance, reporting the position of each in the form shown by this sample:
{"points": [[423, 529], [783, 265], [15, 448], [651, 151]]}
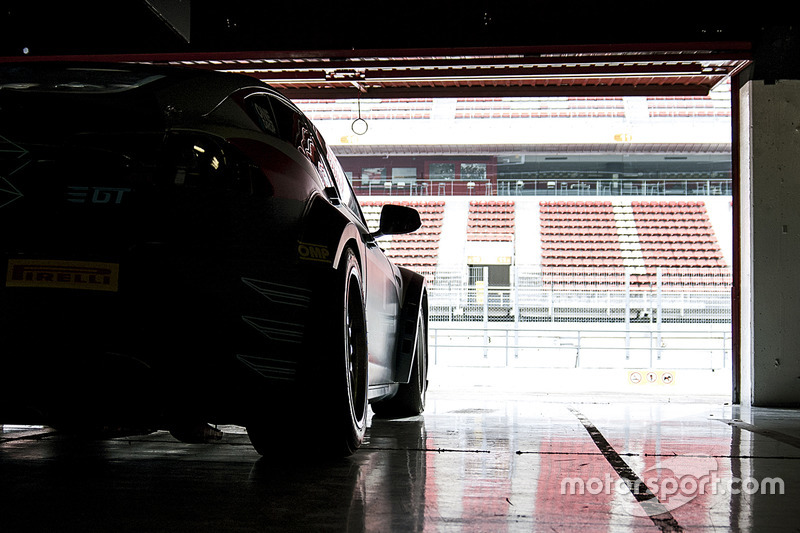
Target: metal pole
{"points": [[506, 346], [485, 312], [658, 318], [515, 290], [435, 346], [724, 349], [627, 314]]}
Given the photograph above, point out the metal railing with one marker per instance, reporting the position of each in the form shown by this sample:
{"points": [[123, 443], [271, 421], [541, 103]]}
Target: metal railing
{"points": [[560, 318], [577, 347], [567, 295], [712, 185], [639, 186]]}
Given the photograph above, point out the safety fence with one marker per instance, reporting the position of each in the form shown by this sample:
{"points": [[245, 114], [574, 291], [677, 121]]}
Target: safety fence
{"points": [[625, 295], [568, 319], [571, 346], [532, 184]]}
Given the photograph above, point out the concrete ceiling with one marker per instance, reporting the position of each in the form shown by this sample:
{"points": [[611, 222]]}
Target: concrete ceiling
{"points": [[414, 49], [622, 70], [632, 70]]}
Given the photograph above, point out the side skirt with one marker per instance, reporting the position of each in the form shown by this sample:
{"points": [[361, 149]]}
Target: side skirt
{"points": [[380, 392]]}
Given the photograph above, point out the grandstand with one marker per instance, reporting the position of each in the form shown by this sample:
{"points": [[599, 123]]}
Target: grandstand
{"points": [[637, 235], [525, 108], [558, 232], [552, 209], [575, 247], [491, 221], [419, 250], [595, 236]]}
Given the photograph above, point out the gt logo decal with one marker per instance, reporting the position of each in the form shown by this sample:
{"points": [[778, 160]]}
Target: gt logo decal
{"points": [[95, 195], [313, 252]]}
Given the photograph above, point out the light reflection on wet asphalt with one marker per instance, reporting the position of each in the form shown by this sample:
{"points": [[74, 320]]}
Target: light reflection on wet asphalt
{"points": [[475, 462]]}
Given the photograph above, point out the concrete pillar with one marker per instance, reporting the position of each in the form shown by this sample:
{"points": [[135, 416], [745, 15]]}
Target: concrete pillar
{"points": [[770, 242]]}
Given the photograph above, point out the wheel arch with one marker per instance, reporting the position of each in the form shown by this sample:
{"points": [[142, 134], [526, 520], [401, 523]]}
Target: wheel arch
{"points": [[414, 300], [325, 234]]}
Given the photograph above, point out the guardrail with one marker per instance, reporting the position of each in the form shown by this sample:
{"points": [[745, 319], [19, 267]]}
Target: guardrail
{"points": [[568, 346], [462, 296], [599, 320], [713, 185]]}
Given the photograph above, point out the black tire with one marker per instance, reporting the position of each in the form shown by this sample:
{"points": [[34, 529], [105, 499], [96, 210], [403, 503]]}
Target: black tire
{"points": [[265, 436], [349, 378], [340, 384], [410, 397]]}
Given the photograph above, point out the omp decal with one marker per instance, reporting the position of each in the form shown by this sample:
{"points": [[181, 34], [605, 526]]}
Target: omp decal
{"points": [[313, 252], [276, 331], [96, 195], [269, 367], [62, 274], [280, 294]]}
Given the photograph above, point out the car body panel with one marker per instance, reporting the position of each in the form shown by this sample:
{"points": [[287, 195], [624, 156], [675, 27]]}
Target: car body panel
{"points": [[206, 240]]}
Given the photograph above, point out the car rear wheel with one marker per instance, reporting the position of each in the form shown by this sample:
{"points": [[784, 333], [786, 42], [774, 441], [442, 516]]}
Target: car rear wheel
{"points": [[338, 390], [351, 391]]}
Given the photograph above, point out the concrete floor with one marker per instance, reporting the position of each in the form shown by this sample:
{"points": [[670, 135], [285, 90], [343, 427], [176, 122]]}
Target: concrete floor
{"points": [[480, 460]]}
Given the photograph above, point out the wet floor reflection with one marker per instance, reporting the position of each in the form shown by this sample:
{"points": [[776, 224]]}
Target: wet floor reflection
{"points": [[381, 488], [473, 463]]}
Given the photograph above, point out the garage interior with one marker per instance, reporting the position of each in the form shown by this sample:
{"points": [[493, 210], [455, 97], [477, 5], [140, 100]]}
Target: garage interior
{"points": [[481, 458]]}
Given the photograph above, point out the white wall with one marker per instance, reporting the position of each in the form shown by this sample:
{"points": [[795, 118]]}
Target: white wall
{"points": [[770, 243]]}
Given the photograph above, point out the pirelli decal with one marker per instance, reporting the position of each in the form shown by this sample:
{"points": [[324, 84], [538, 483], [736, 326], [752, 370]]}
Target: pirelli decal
{"points": [[85, 275]]}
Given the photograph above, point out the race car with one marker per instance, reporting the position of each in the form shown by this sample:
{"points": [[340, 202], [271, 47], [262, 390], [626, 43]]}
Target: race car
{"points": [[181, 248]]}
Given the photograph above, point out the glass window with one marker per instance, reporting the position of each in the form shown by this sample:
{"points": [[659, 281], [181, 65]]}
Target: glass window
{"points": [[404, 174], [473, 171], [276, 118], [442, 171], [499, 275], [343, 184], [373, 174], [263, 111]]}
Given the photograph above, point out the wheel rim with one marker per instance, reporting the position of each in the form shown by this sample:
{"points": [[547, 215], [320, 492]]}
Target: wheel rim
{"points": [[355, 350], [422, 360]]}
